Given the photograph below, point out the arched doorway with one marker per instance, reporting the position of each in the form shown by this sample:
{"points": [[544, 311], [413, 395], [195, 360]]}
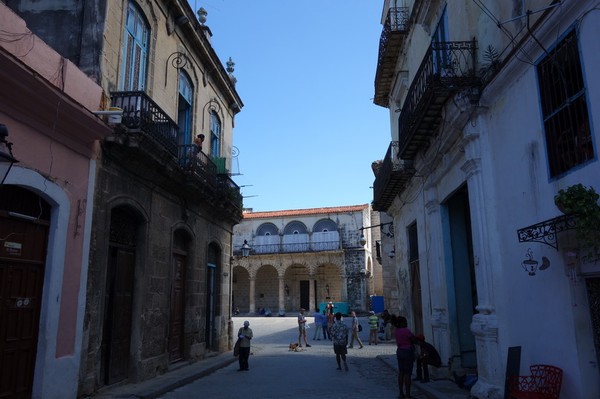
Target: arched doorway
{"points": [[24, 224]]}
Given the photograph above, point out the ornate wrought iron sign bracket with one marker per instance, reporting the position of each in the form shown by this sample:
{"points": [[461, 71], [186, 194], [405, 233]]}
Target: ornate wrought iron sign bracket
{"points": [[546, 232]]}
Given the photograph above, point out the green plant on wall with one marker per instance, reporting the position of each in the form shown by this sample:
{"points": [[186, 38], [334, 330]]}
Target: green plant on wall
{"points": [[582, 202]]}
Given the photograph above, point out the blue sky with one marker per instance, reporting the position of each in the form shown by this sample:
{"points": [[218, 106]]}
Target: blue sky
{"points": [[309, 130]]}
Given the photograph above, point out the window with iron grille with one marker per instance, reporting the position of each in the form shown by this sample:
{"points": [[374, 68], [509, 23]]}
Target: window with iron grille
{"points": [[564, 107]]}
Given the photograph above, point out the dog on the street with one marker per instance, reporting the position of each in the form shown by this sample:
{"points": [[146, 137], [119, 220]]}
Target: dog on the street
{"points": [[294, 347]]}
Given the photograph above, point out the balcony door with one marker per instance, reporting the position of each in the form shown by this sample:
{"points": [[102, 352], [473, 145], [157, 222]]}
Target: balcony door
{"points": [[441, 57], [136, 37], [184, 109]]}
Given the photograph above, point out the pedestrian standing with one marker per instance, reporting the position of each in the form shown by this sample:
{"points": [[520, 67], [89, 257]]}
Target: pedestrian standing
{"points": [[318, 325], [245, 335], [324, 325], [330, 321], [355, 331], [302, 329], [405, 355], [339, 331], [373, 327]]}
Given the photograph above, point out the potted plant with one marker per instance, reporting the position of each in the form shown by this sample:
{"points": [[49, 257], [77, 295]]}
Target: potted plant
{"points": [[582, 202]]}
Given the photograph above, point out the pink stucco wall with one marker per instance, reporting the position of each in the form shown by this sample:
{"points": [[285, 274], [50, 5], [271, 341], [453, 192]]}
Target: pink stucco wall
{"points": [[58, 145]]}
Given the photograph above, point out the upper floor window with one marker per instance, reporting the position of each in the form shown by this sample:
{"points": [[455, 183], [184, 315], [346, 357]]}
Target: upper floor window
{"points": [[135, 50], [324, 225], [441, 56], [215, 135], [564, 107], [267, 229], [184, 111], [295, 227]]}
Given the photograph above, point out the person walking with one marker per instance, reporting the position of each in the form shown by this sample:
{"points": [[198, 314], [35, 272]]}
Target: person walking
{"points": [[373, 327], [302, 329], [330, 321], [405, 355], [339, 332], [245, 335], [318, 325], [355, 331]]}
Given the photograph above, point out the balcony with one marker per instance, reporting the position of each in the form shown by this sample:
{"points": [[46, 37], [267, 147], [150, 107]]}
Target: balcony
{"points": [[150, 138], [197, 165], [447, 68], [392, 176], [276, 248], [144, 116], [229, 192], [390, 45]]}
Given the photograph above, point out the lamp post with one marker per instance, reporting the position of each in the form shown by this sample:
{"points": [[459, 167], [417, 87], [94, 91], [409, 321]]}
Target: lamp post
{"points": [[6, 157], [245, 249]]}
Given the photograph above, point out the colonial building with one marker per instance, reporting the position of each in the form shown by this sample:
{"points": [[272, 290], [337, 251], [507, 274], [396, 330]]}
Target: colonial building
{"points": [[493, 112], [164, 204], [46, 203], [304, 258]]}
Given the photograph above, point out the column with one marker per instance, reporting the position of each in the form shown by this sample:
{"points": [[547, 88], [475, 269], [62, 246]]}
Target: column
{"points": [[281, 296], [311, 295], [252, 308]]}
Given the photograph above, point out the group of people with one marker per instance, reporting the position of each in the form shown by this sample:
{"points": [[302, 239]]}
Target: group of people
{"points": [[409, 347]]}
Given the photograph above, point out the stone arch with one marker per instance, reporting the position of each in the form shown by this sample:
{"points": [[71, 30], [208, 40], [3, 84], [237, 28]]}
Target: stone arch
{"points": [[295, 277], [267, 288], [267, 238], [295, 227], [328, 275], [325, 236], [267, 229], [325, 225], [295, 237]]}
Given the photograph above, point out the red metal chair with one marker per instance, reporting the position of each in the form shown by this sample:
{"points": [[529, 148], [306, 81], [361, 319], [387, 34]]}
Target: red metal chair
{"points": [[543, 383]]}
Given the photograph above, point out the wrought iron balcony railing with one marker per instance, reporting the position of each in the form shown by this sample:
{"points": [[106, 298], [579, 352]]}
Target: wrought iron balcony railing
{"points": [[390, 44], [446, 68], [197, 163], [141, 114], [229, 190], [317, 246], [391, 177]]}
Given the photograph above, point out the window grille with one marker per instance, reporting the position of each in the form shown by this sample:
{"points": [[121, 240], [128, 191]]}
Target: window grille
{"points": [[564, 107]]}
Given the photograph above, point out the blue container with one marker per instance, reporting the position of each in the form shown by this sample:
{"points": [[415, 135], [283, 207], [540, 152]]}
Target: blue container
{"points": [[377, 304]]}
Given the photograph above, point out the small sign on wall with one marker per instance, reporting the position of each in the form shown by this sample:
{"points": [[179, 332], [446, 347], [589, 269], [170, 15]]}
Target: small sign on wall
{"points": [[12, 248]]}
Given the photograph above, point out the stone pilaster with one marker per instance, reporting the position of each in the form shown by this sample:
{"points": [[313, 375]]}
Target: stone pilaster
{"points": [[281, 302], [252, 303], [484, 326]]}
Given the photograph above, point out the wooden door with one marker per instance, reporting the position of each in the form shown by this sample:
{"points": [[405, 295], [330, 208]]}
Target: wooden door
{"points": [[305, 294], [177, 308], [119, 302], [23, 246]]}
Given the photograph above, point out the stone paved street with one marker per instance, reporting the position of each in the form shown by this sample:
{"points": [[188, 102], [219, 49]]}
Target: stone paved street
{"points": [[275, 372]]}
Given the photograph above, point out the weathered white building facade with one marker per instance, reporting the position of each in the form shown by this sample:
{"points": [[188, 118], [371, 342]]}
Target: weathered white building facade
{"points": [[492, 113], [303, 258]]}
